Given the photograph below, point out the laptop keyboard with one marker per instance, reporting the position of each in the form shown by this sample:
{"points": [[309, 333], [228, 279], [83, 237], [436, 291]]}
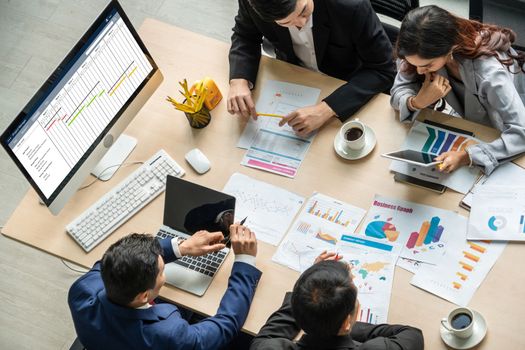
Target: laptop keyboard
{"points": [[207, 264]]}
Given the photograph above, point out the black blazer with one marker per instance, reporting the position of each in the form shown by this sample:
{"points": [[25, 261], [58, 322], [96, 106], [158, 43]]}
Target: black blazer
{"points": [[350, 44], [280, 330]]}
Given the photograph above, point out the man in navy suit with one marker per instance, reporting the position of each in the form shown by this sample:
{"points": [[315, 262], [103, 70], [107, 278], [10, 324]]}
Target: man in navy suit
{"points": [[341, 38], [112, 306]]}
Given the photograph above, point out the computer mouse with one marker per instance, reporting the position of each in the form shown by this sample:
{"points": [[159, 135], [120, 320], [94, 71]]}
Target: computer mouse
{"points": [[198, 160]]}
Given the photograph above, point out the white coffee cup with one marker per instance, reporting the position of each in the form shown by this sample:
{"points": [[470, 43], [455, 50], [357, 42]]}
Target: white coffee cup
{"points": [[353, 135], [460, 322]]}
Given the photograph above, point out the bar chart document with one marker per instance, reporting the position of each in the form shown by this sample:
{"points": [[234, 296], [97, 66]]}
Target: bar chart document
{"points": [[82, 106], [423, 231], [461, 271], [269, 209], [432, 139]]}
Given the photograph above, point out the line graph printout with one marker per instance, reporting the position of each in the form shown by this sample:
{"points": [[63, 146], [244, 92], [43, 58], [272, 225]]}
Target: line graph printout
{"points": [[82, 105], [432, 139], [461, 271], [317, 228], [269, 209]]}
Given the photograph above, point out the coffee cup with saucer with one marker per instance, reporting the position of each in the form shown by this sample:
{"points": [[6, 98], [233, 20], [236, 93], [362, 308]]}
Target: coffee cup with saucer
{"points": [[464, 328], [354, 140]]}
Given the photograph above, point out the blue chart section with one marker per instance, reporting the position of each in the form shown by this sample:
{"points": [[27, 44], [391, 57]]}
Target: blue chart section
{"points": [[497, 223]]}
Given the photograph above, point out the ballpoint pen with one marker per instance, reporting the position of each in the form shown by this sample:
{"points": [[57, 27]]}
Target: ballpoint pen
{"points": [[243, 221], [227, 240]]}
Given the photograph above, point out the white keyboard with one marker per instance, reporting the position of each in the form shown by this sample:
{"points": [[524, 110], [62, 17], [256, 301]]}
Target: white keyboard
{"points": [[123, 201]]}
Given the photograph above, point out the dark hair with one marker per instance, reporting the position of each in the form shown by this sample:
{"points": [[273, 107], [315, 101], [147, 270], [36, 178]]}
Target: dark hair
{"points": [[323, 297], [273, 10], [431, 32], [130, 266]]}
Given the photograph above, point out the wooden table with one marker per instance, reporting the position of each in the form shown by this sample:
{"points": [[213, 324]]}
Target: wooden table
{"points": [[158, 125]]}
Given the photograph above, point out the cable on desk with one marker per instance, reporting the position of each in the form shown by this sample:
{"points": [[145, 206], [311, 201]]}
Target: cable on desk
{"points": [[107, 168], [73, 269]]}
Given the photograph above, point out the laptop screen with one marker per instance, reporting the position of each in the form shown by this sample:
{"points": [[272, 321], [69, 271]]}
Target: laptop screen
{"points": [[189, 207]]}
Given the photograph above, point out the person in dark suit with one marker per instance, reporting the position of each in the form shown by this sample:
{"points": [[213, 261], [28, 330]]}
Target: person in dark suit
{"points": [[324, 305], [341, 38], [112, 306]]}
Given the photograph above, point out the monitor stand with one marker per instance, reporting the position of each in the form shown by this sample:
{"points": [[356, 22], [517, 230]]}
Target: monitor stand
{"points": [[114, 157]]}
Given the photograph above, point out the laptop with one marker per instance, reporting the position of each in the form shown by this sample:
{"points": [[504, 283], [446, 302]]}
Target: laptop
{"points": [[189, 208]]}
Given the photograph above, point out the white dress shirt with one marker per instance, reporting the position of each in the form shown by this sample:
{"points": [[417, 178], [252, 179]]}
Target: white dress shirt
{"points": [[303, 45]]}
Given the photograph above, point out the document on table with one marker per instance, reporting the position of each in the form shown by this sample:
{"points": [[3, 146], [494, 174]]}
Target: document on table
{"points": [[497, 213], [373, 275], [269, 209], [435, 140], [461, 270], [321, 225], [271, 147], [278, 98], [422, 231], [504, 174]]}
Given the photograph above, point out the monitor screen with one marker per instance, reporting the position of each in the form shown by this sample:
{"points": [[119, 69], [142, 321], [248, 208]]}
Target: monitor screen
{"points": [[78, 104]]}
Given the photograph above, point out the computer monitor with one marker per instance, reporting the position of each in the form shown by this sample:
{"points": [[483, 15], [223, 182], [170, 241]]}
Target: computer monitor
{"points": [[70, 123]]}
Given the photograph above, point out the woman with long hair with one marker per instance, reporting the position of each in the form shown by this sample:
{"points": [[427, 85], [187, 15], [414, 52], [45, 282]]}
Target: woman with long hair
{"points": [[468, 69]]}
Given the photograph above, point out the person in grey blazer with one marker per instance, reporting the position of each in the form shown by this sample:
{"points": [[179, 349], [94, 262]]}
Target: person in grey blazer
{"points": [[468, 69], [325, 306]]}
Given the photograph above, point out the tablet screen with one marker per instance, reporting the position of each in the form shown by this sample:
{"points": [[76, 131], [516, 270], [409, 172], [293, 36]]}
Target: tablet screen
{"points": [[413, 156]]}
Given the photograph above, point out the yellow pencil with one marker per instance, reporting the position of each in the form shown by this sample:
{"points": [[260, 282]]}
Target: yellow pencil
{"points": [[271, 115]]}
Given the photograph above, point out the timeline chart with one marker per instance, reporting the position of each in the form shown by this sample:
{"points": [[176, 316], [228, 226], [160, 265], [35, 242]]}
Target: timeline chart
{"points": [[111, 70]]}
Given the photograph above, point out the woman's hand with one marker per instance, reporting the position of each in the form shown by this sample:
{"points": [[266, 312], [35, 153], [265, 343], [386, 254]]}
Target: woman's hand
{"points": [[434, 87], [452, 160]]}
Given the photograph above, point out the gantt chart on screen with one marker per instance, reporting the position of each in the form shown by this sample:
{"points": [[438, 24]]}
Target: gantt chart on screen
{"points": [[111, 69]]}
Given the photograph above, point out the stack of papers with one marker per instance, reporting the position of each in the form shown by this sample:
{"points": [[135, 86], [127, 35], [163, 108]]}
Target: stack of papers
{"points": [[269, 146]]}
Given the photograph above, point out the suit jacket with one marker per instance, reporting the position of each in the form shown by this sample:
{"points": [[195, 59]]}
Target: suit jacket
{"points": [[280, 330], [492, 96], [102, 324], [350, 44]]}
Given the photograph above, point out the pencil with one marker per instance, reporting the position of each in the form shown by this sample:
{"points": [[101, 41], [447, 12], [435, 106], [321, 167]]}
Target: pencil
{"points": [[271, 115]]}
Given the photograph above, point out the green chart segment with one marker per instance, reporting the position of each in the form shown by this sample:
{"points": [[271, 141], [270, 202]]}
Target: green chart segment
{"points": [[439, 141]]}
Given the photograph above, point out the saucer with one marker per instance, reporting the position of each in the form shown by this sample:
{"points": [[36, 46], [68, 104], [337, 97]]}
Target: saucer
{"points": [[479, 331], [370, 143]]}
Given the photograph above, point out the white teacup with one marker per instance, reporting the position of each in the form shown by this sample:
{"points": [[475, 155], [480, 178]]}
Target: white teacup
{"points": [[353, 135], [459, 322]]}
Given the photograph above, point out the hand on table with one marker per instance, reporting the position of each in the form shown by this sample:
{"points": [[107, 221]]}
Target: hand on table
{"points": [[307, 119], [202, 243], [434, 87], [240, 100], [243, 240]]}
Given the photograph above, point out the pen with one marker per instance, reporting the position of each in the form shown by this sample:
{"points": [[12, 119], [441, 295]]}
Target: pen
{"points": [[270, 115], [227, 240], [243, 220]]}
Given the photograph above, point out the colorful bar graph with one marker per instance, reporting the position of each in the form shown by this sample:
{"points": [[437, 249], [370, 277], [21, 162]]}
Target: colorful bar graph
{"points": [[432, 230], [458, 143], [470, 256], [466, 266], [477, 247], [462, 276], [422, 233], [448, 143], [335, 218], [430, 139], [437, 235], [411, 243], [439, 141]]}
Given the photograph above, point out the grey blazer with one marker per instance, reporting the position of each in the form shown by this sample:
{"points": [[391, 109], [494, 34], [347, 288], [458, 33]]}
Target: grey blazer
{"points": [[492, 96]]}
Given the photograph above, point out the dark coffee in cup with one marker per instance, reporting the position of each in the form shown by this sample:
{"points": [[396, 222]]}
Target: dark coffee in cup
{"points": [[461, 321], [353, 134]]}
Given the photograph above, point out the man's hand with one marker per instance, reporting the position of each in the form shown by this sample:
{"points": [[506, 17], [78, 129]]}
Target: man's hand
{"points": [[327, 256], [202, 243], [243, 240], [307, 119], [434, 87], [452, 160], [240, 99]]}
